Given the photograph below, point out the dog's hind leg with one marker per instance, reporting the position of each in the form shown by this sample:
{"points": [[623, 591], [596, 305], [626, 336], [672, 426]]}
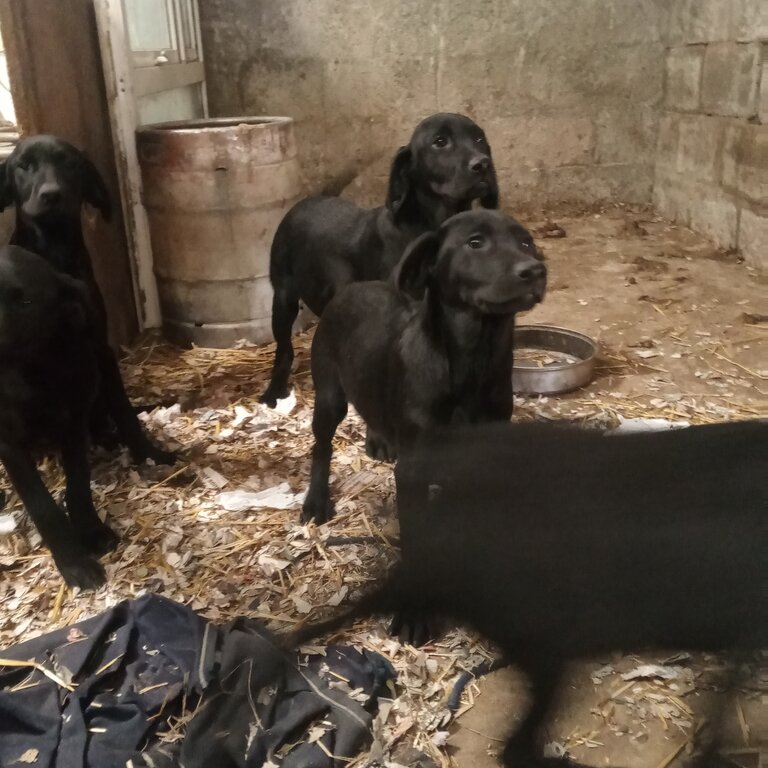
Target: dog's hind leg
{"points": [[98, 537], [285, 309], [128, 426], [330, 410]]}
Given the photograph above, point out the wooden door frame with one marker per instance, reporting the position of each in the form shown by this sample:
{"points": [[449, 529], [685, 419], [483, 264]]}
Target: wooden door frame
{"points": [[121, 99], [124, 84]]}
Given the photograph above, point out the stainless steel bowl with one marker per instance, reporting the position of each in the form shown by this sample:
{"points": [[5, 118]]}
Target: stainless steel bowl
{"points": [[571, 364]]}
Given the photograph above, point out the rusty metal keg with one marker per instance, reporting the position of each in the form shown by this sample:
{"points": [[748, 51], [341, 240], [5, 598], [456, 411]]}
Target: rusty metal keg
{"points": [[215, 191]]}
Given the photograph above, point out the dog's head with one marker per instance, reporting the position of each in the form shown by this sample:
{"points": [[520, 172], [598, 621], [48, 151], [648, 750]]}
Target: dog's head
{"points": [[48, 179], [448, 157], [482, 260], [37, 303]]}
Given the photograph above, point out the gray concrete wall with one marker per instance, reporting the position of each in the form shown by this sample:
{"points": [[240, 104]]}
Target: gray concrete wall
{"points": [[712, 154], [568, 91]]}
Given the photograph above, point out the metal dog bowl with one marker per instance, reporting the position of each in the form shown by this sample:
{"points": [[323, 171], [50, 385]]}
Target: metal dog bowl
{"points": [[551, 360]]}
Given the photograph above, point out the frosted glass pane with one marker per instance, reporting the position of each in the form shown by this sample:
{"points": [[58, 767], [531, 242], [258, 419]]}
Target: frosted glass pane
{"points": [[148, 27], [179, 104]]}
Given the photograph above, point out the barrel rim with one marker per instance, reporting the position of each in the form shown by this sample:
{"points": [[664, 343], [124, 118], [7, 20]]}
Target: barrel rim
{"points": [[212, 124]]}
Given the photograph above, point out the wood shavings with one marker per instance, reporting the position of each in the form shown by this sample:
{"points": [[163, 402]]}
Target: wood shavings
{"points": [[178, 539]]}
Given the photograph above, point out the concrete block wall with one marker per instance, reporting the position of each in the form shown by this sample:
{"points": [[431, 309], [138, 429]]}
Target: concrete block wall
{"points": [[712, 151], [569, 91]]}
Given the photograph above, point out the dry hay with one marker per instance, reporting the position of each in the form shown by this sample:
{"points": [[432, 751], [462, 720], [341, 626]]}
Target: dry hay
{"points": [[178, 540]]}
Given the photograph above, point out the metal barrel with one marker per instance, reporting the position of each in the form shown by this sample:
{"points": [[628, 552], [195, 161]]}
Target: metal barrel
{"points": [[215, 191]]}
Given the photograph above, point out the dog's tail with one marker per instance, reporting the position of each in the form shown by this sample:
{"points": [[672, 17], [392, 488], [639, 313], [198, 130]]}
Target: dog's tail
{"points": [[386, 598]]}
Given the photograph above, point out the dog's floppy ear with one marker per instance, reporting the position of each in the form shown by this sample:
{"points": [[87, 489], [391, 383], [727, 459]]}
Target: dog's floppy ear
{"points": [[399, 180], [95, 191], [491, 198], [412, 271], [6, 186]]}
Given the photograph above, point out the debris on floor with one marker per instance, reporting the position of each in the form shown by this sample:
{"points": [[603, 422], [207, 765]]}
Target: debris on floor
{"points": [[220, 531]]}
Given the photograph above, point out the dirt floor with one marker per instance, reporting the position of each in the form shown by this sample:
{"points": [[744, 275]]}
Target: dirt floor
{"points": [[683, 332]]}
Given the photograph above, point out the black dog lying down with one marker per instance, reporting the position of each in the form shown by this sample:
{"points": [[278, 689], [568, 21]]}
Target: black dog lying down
{"points": [[48, 383], [49, 180], [558, 543], [324, 243], [408, 364]]}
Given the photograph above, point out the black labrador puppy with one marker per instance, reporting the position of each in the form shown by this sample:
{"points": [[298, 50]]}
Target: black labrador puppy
{"points": [[49, 377], [48, 181], [560, 543], [323, 243], [431, 346]]}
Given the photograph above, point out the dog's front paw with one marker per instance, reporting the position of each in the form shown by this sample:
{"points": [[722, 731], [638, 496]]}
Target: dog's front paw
{"points": [[320, 509], [79, 569], [274, 393]]}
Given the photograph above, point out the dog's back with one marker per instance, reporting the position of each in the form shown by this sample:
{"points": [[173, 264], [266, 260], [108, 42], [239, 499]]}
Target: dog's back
{"points": [[321, 243], [577, 543]]}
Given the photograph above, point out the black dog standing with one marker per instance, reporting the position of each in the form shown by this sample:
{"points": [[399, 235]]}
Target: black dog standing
{"points": [[49, 180], [323, 243], [48, 383], [409, 363]]}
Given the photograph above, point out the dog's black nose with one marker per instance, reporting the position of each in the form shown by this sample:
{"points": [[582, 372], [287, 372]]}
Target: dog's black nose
{"points": [[479, 164], [50, 193], [530, 270]]}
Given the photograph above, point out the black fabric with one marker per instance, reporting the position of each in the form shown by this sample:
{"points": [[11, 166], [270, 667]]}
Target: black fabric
{"points": [[262, 706], [135, 665], [126, 664], [350, 669]]}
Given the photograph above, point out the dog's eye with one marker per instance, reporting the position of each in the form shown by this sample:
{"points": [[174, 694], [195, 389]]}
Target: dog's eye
{"points": [[476, 241], [440, 142], [480, 140]]}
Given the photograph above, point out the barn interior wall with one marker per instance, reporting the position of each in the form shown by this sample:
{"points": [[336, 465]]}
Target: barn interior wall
{"points": [[712, 155]]}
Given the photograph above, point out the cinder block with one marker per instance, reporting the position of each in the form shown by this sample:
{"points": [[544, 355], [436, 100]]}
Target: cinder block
{"points": [[630, 182], [699, 205], [745, 161], [729, 79], [753, 239], [715, 215], [633, 22], [630, 73], [701, 21], [750, 20], [521, 186], [671, 197], [541, 141], [684, 77], [698, 147], [626, 134], [668, 139]]}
